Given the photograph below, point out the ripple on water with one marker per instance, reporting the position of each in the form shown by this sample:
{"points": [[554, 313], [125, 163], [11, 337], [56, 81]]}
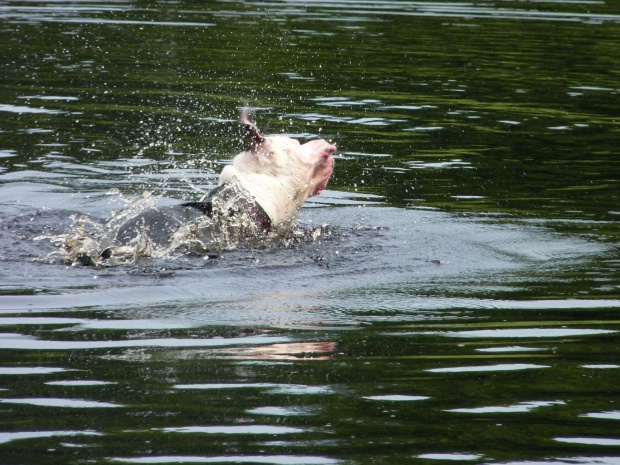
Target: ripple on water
{"points": [[266, 459], [601, 366], [424, 129], [451, 456], [63, 403], [18, 371], [589, 460], [522, 407], [64, 98], [610, 415], [448, 164], [237, 429], [487, 368], [344, 101], [8, 153], [366, 154], [396, 398], [282, 411], [407, 107], [80, 383], [528, 333], [511, 349], [22, 342], [272, 388], [20, 109], [14, 436], [591, 441]]}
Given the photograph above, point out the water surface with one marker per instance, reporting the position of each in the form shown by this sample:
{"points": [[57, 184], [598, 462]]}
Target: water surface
{"points": [[461, 304]]}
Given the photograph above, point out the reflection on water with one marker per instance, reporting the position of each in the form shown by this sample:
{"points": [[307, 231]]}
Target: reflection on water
{"points": [[460, 304]]}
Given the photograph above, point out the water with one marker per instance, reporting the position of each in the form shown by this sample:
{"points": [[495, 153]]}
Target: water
{"points": [[460, 304]]}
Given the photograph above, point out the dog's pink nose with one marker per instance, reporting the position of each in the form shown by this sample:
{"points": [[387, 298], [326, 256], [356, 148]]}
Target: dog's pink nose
{"points": [[329, 151]]}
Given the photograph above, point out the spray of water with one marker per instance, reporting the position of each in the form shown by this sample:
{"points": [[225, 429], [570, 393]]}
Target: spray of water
{"points": [[143, 230]]}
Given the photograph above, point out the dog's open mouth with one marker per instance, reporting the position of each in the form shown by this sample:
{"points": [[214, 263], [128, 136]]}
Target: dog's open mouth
{"points": [[320, 188], [325, 167]]}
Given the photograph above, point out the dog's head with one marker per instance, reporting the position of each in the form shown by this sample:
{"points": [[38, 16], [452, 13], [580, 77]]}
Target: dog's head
{"points": [[280, 172]]}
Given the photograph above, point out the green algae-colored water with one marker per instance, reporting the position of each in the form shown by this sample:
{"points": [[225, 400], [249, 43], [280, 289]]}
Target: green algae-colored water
{"points": [[461, 306]]}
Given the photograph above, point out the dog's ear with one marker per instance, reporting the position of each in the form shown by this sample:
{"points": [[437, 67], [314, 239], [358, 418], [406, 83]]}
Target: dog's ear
{"points": [[251, 130]]}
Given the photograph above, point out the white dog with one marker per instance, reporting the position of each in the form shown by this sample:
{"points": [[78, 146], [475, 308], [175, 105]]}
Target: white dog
{"points": [[262, 190], [279, 172]]}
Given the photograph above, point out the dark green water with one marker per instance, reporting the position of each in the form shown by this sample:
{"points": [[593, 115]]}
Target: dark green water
{"points": [[463, 305]]}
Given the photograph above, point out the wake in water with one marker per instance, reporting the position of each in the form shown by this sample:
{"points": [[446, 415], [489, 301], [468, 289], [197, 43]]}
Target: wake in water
{"points": [[144, 230]]}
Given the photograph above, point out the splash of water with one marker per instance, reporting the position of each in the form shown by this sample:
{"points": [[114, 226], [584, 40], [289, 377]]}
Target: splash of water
{"points": [[144, 230]]}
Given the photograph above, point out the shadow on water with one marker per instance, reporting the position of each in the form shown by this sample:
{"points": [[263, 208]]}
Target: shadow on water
{"points": [[459, 304]]}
